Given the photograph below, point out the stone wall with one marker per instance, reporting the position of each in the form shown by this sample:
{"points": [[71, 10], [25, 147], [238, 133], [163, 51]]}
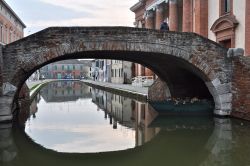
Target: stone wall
{"points": [[159, 91], [1, 70], [24, 93], [241, 87]]}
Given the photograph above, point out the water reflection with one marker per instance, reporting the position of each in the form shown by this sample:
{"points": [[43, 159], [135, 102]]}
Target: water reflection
{"points": [[171, 140], [226, 144], [8, 150], [127, 112]]}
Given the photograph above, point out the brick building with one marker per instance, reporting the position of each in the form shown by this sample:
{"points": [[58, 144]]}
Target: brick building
{"points": [[11, 26], [224, 21], [11, 29]]}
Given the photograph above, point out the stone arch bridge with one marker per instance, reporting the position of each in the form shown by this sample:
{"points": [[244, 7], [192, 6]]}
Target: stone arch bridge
{"points": [[189, 64]]}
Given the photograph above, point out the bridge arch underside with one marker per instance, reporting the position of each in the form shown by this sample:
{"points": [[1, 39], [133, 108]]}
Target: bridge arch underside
{"points": [[183, 79]]}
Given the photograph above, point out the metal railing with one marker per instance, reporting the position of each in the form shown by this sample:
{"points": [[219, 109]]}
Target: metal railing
{"points": [[142, 81]]}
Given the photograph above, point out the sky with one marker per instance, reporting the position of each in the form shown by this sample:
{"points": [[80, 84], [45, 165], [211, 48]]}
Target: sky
{"points": [[39, 14]]}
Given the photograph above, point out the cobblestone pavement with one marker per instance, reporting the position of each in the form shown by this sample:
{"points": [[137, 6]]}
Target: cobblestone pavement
{"points": [[122, 87]]}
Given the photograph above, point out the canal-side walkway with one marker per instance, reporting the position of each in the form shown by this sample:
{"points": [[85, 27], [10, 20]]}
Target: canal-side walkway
{"points": [[123, 88], [34, 86]]}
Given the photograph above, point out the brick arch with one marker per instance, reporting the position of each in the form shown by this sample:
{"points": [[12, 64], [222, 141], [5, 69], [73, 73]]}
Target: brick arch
{"points": [[197, 55]]}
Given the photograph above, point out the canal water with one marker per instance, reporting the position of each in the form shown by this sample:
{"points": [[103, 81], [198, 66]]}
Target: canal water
{"points": [[70, 123]]}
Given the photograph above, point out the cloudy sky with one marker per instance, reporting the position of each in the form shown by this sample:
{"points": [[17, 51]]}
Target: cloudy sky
{"points": [[39, 14]]}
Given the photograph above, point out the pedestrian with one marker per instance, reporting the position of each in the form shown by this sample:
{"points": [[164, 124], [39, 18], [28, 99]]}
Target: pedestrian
{"points": [[164, 26]]}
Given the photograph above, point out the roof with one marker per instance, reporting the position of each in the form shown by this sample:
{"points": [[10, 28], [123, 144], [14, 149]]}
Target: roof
{"points": [[12, 11]]}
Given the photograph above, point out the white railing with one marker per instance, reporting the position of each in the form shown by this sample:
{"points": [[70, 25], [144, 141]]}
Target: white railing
{"points": [[143, 81]]}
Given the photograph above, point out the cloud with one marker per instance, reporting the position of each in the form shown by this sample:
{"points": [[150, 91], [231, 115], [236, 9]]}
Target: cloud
{"points": [[82, 138], [93, 5], [100, 13], [110, 12]]}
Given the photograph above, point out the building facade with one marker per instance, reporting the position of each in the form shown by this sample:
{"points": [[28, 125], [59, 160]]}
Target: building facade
{"points": [[224, 21], [114, 71], [11, 26], [121, 72], [68, 69]]}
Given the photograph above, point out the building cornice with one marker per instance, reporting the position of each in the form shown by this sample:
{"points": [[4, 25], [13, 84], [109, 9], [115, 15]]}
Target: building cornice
{"points": [[154, 5], [137, 5], [13, 13]]}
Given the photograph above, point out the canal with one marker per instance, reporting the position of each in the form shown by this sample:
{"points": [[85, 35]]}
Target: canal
{"points": [[70, 123]]}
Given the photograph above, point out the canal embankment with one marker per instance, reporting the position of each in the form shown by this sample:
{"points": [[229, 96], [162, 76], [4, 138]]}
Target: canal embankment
{"points": [[140, 93], [35, 86]]}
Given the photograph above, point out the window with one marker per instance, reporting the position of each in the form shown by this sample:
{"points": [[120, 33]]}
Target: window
{"points": [[62, 67], [227, 6], [74, 67], [10, 40], [7, 35], [1, 32], [55, 67]]}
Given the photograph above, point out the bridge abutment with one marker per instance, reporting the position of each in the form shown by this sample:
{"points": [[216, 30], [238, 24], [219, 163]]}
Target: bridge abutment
{"points": [[1, 70], [222, 97], [5, 101], [6, 94], [241, 88]]}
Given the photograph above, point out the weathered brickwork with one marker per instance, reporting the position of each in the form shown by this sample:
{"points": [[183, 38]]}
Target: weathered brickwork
{"points": [[247, 29], [24, 93], [187, 62], [241, 88], [1, 70]]}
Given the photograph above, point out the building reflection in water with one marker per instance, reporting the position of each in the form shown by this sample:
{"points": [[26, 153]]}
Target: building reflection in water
{"points": [[127, 112], [226, 141], [64, 91]]}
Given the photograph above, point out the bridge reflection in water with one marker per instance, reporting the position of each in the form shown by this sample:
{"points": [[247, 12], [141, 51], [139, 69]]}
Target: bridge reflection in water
{"points": [[173, 140]]}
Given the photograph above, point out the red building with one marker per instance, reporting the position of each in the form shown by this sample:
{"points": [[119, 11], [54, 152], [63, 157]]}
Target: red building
{"points": [[224, 21], [11, 26]]}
